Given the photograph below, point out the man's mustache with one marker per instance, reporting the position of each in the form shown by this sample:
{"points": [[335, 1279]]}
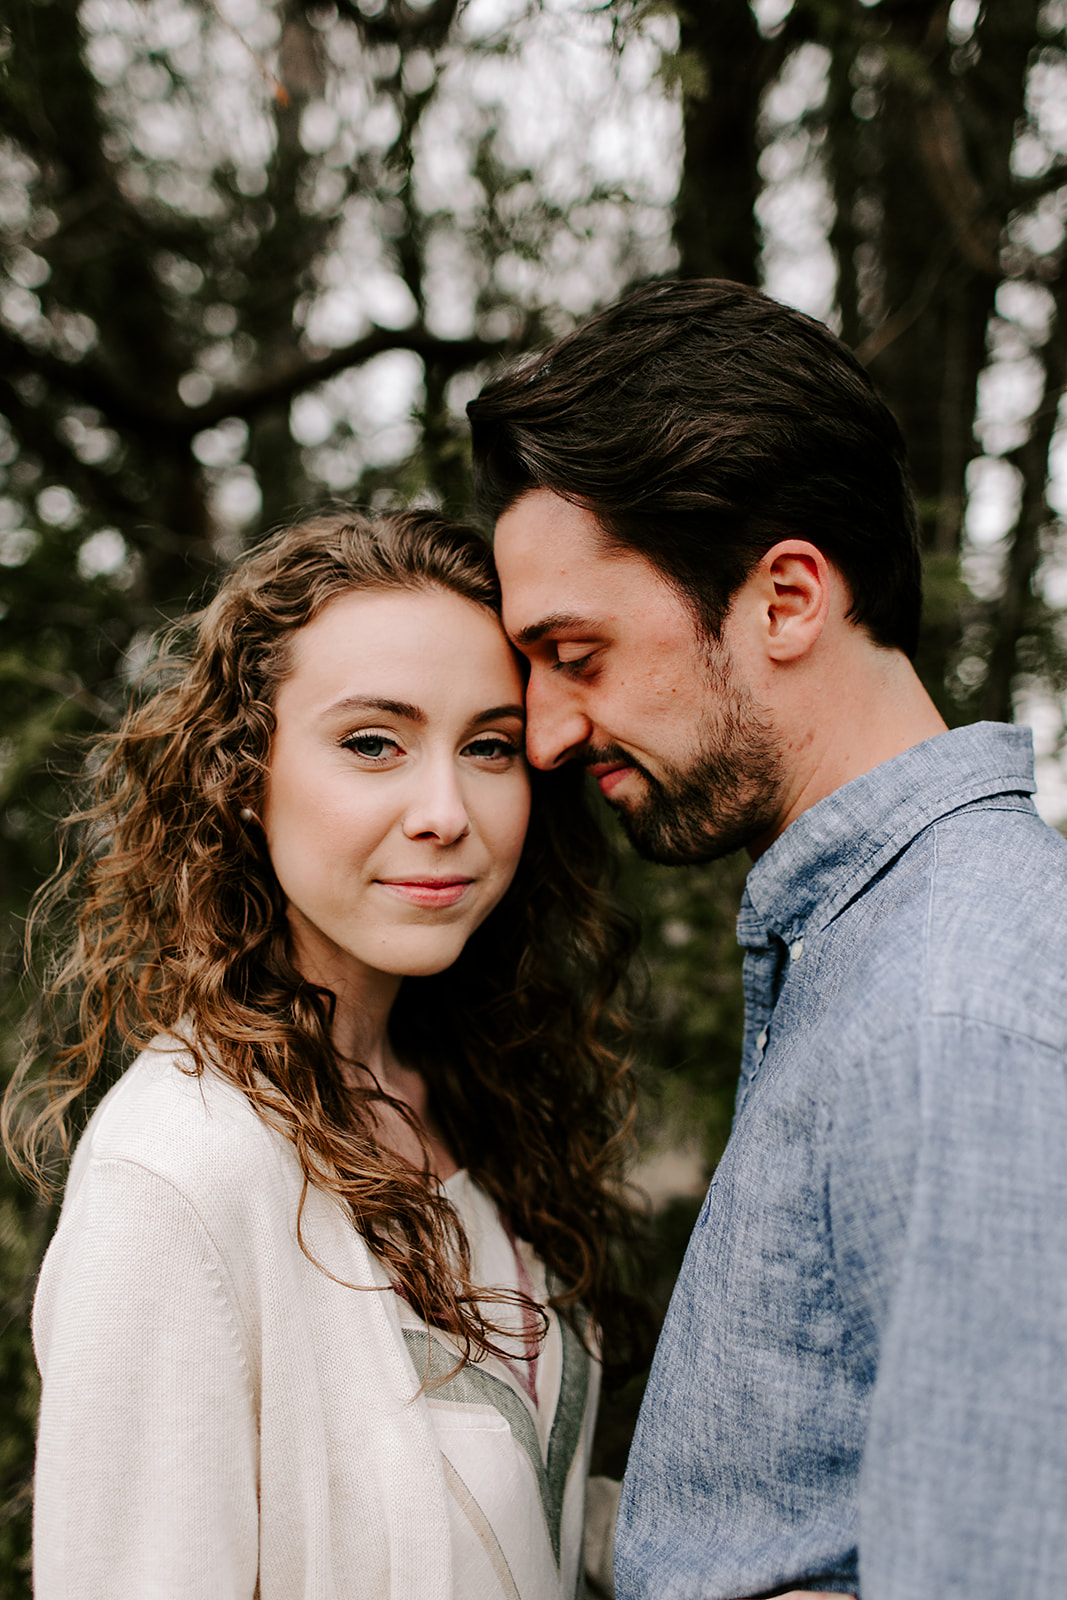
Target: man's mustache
{"points": [[611, 755]]}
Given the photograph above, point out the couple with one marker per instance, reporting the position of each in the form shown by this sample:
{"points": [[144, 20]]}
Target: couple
{"points": [[375, 952]]}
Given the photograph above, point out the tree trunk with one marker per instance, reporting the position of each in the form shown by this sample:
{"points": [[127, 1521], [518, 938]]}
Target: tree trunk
{"points": [[715, 226]]}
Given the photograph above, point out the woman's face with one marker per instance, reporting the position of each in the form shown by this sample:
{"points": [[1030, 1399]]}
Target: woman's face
{"points": [[397, 794]]}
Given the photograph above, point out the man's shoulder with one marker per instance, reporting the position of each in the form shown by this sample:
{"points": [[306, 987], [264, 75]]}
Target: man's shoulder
{"points": [[989, 866], [996, 945], [969, 922], [1007, 820]]}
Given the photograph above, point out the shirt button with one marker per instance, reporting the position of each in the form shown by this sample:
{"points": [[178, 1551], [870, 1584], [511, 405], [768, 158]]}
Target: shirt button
{"points": [[761, 1042], [796, 949]]}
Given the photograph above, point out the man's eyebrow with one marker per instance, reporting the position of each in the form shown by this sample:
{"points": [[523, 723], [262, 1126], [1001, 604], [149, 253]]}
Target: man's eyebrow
{"points": [[557, 622], [370, 702]]}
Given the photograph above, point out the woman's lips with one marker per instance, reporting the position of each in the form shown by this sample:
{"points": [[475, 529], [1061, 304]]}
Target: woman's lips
{"points": [[609, 773], [430, 892]]}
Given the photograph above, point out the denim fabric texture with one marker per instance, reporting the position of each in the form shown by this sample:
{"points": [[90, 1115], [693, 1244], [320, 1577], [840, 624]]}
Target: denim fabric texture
{"points": [[862, 1380]]}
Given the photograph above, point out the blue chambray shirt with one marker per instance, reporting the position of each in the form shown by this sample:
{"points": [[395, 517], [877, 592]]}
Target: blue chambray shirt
{"points": [[862, 1380]]}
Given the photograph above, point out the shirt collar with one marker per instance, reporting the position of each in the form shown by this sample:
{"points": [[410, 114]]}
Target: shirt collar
{"points": [[833, 849]]}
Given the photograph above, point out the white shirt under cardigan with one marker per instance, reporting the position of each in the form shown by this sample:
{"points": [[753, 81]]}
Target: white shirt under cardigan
{"points": [[514, 1429], [222, 1418]]}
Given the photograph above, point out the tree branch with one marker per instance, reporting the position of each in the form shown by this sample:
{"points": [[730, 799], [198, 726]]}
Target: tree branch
{"points": [[905, 316], [939, 141], [89, 482], [409, 26], [85, 381], [1046, 183], [274, 388], [136, 414]]}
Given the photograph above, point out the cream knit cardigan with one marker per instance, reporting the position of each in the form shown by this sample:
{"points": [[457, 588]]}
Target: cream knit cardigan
{"points": [[221, 1418]]}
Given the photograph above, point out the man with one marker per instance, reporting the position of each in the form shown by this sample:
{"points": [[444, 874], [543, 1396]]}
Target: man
{"points": [[709, 557]]}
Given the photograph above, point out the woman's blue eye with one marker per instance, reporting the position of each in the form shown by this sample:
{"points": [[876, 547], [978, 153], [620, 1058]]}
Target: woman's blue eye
{"points": [[372, 745], [494, 749]]}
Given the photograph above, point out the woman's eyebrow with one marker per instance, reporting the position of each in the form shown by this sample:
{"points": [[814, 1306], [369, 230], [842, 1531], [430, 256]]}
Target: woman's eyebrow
{"points": [[413, 713], [495, 713], [370, 702]]}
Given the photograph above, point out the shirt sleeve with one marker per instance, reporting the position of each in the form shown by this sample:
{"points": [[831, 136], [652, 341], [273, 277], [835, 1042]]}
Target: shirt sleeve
{"points": [[147, 1449], [949, 1212]]}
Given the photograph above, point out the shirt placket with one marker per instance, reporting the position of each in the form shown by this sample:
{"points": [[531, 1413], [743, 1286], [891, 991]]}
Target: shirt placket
{"points": [[765, 959]]}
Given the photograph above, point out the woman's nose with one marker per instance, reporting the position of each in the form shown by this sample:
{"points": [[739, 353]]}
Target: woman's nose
{"points": [[438, 810]]}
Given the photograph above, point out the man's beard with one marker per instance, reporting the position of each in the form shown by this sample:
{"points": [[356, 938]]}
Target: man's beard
{"points": [[727, 796]]}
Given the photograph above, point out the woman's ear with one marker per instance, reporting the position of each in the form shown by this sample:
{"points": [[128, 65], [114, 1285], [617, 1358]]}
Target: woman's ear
{"points": [[792, 587]]}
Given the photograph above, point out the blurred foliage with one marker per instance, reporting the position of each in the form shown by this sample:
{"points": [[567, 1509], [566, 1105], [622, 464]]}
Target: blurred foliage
{"points": [[255, 254], [691, 1022]]}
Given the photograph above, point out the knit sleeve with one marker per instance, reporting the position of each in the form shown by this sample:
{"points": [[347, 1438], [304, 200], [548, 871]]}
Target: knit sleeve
{"points": [[147, 1447]]}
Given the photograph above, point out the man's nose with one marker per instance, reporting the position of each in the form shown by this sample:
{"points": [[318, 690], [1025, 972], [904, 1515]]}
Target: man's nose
{"points": [[557, 728]]}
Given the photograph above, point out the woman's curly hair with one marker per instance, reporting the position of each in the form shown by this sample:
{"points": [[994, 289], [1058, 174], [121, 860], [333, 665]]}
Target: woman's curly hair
{"points": [[180, 924]]}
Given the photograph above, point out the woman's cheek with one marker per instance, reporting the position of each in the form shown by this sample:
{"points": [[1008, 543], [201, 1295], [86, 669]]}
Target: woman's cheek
{"points": [[521, 816]]}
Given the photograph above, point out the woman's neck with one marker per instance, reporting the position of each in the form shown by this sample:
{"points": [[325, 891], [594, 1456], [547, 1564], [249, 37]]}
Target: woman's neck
{"points": [[364, 1000], [366, 1059]]}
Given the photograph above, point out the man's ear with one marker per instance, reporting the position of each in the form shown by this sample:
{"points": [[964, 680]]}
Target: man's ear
{"points": [[792, 589]]}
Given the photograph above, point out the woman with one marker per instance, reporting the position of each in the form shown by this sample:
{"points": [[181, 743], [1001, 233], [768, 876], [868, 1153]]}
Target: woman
{"points": [[318, 1314]]}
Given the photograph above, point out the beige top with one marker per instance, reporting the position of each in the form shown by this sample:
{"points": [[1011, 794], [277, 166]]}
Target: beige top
{"points": [[221, 1419], [514, 1432]]}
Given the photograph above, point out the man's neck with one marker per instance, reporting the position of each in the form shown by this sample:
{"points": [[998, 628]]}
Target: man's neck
{"points": [[862, 707]]}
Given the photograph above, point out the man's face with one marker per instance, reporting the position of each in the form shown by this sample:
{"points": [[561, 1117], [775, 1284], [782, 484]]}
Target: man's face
{"points": [[622, 678]]}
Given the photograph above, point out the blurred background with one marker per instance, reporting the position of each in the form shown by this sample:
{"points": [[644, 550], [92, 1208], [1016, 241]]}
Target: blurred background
{"points": [[257, 254]]}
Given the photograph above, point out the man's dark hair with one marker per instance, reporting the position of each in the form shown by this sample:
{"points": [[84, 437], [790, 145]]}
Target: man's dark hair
{"points": [[701, 423]]}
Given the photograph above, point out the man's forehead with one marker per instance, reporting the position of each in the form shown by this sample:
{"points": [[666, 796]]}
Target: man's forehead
{"points": [[543, 526], [549, 547], [548, 595], [561, 577], [544, 555]]}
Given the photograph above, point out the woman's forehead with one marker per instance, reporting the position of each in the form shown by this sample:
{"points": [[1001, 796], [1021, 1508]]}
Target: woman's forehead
{"points": [[408, 645]]}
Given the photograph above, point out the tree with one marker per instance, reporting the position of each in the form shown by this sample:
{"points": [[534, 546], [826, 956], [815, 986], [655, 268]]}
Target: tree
{"points": [[937, 138], [254, 253]]}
